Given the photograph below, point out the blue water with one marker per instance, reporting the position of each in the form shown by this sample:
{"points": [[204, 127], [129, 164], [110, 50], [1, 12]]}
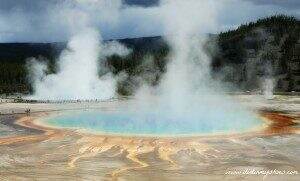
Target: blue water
{"points": [[130, 123]]}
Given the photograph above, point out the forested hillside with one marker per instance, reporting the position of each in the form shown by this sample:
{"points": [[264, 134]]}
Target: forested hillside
{"points": [[266, 48], [244, 56]]}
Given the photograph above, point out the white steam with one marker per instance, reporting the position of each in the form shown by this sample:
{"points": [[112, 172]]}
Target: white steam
{"points": [[268, 88], [185, 22], [187, 92], [79, 65], [268, 83], [78, 68]]}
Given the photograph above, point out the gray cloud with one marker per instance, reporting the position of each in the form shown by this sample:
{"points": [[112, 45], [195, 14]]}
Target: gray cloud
{"points": [[55, 20], [236, 12], [288, 4]]}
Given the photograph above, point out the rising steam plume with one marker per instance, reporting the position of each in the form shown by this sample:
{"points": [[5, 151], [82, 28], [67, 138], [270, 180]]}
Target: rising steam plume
{"points": [[78, 72], [79, 65], [187, 92]]}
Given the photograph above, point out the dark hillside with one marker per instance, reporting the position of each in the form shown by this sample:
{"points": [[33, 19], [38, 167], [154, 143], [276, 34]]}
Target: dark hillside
{"points": [[260, 49]]}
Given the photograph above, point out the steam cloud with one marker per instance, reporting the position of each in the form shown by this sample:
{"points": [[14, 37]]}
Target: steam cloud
{"points": [[79, 65], [77, 76]]}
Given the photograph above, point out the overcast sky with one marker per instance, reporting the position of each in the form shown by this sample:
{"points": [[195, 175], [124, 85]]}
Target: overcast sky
{"points": [[56, 20]]}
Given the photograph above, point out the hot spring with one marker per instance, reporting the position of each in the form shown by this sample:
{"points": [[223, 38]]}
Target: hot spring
{"points": [[188, 100], [153, 123]]}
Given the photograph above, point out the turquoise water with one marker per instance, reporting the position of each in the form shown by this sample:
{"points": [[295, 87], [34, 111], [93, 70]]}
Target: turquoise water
{"points": [[132, 123]]}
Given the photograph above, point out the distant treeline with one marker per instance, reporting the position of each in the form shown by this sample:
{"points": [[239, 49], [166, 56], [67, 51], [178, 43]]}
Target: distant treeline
{"points": [[148, 56]]}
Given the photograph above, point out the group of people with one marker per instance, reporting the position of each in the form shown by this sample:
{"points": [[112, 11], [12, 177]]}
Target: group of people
{"points": [[65, 101]]}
